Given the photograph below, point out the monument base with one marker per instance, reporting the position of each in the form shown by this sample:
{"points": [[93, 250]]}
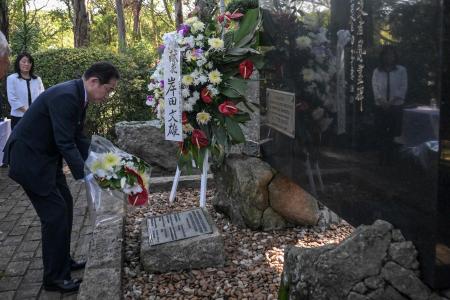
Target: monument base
{"points": [[196, 252]]}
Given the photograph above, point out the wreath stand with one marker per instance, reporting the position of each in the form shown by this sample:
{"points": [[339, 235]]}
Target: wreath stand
{"points": [[203, 182]]}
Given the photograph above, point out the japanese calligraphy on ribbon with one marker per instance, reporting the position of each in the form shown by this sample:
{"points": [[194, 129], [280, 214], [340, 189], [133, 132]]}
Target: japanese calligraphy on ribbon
{"points": [[172, 89]]}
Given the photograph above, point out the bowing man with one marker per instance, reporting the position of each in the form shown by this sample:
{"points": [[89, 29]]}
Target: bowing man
{"points": [[50, 131]]}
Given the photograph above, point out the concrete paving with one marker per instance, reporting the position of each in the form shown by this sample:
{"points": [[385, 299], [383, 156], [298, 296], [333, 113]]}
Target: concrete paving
{"points": [[20, 241]]}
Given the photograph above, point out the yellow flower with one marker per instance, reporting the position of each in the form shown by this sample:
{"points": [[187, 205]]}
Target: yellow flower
{"points": [[187, 80], [308, 74], [216, 43], [215, 77], [97, 165], [203, 118], [111, 160]]}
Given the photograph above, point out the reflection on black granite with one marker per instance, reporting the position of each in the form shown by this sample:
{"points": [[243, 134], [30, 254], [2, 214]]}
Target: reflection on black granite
{"points": [[371, 131]]}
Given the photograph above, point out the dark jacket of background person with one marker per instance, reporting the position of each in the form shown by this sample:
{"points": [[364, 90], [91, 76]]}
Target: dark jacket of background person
{"points": [[52, 129]]}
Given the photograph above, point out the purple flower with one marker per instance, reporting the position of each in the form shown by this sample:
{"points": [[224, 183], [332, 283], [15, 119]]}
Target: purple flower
{"points": [[149, 101], [161, 49], [161, 83], [184, 29], [197, 52]]}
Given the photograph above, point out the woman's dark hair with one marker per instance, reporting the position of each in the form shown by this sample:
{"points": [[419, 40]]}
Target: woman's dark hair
{"points": [[17, 64], [385, 51], [103, 70]]}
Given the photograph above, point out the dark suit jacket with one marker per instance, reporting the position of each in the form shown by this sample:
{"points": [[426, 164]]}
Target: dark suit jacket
{"points": [[50, 130]]}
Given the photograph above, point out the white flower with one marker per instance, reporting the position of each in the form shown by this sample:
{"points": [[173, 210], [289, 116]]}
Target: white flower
{"points": [[197, 26], [188, 106], [185, 93], [210, 65], [191, 20], [202, 78], [303, 42], [215, 43], [123, 181], [215, 77], [187, 80], [203, 118], [196, 96], [213, 90], [200, 62], [308, 74]]}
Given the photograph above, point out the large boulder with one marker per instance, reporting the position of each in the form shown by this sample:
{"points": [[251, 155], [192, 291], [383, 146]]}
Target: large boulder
{"points": [[146, 140], [241, 189], [369, 264], [292, 202]]}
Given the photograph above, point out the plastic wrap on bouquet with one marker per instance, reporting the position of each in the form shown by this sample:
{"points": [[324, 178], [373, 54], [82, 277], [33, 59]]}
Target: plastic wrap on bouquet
{"points": [[116, 175]]}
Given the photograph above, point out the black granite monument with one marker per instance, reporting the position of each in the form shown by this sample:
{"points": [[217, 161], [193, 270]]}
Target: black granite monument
{"points": [[355, 109]]}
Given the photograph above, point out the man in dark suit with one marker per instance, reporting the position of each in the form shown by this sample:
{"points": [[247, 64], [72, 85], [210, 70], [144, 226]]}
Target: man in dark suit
{"points": [[50, 131]]}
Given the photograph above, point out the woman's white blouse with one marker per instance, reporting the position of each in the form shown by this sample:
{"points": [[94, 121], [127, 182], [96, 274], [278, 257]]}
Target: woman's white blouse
{"points": [[18, 94]]}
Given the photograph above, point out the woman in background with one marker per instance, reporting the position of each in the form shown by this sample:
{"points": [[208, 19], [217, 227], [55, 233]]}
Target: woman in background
{"points": [[23, 87]]}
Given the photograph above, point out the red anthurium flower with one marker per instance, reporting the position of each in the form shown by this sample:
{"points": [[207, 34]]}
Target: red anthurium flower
{"points": [[246, 68], [228, 108], [205, 95], [142, 197], [199, 138], [184, 118]]}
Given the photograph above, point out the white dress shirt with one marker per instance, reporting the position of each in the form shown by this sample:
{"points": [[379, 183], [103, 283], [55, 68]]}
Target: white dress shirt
{"points": [[18, 93], [398, 84]]}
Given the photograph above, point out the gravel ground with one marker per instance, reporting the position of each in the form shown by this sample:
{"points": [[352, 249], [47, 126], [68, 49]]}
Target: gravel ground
{"points": [[254, 260]]}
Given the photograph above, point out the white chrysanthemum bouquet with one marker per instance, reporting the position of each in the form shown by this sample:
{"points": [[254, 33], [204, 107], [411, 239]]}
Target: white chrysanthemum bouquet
{"points": [[114, 169]]}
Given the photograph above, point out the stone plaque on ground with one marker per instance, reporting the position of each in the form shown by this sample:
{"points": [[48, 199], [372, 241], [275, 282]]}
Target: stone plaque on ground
{"points": [[179, 241], [177, 226]]}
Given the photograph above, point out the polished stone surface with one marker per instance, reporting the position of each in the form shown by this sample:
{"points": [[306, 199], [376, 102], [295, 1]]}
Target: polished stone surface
{"points": [[367, 146]]}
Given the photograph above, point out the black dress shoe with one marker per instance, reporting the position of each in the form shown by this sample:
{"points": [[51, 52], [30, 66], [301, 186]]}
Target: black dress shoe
{"points": [[63, 286], [77, 265]]}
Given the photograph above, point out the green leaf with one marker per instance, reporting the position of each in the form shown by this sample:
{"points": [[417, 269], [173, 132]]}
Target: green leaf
{"points": [[248, 25], [241, 117], [234, 130], [241, 51], [221, 135]]}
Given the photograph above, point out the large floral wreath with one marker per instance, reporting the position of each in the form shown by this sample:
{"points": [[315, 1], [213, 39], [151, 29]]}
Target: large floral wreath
{"points": [[218, 58]]}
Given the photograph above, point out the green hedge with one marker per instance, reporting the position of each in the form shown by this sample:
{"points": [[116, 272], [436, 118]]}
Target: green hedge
{"points": [[127, 103]]}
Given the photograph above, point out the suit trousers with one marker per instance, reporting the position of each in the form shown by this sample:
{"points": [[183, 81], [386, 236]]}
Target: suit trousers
{"points": [[56, 214]]}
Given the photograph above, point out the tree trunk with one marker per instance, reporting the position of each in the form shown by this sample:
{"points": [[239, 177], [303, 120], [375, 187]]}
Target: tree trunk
{"points": [[81, 23], [154, 23], [137, 6], [4, 21], [121, 26], [178, 13]]}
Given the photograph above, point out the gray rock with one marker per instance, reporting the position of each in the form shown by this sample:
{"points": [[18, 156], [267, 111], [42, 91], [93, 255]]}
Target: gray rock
{"points": [[405, 281], [404, 253], [360, 288], [241, 189], [397, 236], [327, 217], [331, 272], [292, 202], [446, 293], [435, 296], [356, 296], [392, 294], [146, 140], [197, 252], [272, 221], [374, 282], [377, 294], [101, 283]]}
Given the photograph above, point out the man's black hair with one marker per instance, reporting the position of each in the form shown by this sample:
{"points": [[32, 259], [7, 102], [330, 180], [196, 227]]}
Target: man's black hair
{"points": [[103, 70]]}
